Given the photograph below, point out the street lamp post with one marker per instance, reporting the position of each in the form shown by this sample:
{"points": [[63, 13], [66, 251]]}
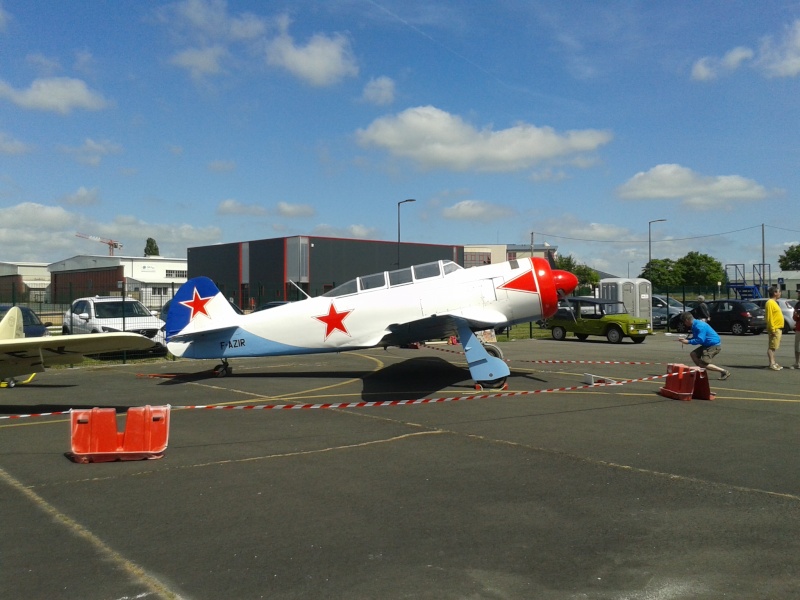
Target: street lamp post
{"points": [[650, 241], [398, 227]]}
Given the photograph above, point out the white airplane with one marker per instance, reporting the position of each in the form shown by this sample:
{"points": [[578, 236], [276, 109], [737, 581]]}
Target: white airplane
{"points": [[425, 302], [27, 356]]}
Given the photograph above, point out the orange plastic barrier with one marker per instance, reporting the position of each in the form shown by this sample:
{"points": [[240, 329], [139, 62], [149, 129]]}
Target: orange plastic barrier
{"points": [[95, 437], [685, 383]]}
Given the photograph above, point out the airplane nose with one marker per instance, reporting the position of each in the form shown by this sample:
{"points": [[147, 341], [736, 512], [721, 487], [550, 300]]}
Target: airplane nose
{"points": [[565, 282]]}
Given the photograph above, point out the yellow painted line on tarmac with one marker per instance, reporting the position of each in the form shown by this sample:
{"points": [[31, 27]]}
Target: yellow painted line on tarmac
{"points": [[132, 569]]}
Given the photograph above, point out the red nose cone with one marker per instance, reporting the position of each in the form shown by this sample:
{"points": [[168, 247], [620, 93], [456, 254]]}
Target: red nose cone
{"points": [[565, 282]]}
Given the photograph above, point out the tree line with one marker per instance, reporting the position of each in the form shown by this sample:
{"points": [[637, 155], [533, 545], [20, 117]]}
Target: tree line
{"points": [[693, 270]]}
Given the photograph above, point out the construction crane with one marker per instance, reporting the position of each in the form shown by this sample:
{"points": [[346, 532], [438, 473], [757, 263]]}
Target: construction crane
{"points": [[110, 243]]}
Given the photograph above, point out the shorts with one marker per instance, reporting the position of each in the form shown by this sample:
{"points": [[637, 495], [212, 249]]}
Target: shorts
{"points": [[705, 354], [775, 339]]}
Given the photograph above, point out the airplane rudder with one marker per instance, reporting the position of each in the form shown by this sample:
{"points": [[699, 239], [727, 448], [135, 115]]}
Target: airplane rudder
{"points": [[180, 314], [11, 325]]}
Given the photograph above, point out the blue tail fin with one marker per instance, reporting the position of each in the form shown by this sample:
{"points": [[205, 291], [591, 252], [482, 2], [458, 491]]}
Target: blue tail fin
{"points": [[197, 302]]}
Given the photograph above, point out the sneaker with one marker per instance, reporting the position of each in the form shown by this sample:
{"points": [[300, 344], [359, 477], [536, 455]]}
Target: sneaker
{"points": [[725, 375], [775, 367], [795, 367]]}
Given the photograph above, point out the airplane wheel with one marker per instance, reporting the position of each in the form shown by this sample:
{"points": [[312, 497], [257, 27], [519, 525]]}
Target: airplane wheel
{"points": [[495, 385], [558, 333], [493, 351]]}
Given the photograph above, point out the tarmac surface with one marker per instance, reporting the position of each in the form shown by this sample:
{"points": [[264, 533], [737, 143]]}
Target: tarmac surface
{"points": [[605, 493]]}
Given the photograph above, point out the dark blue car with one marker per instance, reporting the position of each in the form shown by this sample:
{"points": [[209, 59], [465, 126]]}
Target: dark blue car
{"points": [[31, 322]]}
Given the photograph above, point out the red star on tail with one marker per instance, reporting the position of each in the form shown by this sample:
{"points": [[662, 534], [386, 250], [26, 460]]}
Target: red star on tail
{"points": [[334, 320], [197, 304]]}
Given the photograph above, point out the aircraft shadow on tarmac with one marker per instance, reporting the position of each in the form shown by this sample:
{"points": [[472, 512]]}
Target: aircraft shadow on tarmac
{"points": [[408, 379]]}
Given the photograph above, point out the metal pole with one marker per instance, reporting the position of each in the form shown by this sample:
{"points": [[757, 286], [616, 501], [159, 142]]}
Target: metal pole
{"points": [[398, 227], [650, 241]]}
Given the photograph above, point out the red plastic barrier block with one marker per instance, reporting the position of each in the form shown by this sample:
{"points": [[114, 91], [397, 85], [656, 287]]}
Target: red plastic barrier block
{"points": [[94, 435], [684, 383]]}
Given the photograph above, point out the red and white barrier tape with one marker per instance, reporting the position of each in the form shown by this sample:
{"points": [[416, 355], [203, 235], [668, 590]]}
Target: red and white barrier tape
{"points": [[340, 405], [554, 362]]}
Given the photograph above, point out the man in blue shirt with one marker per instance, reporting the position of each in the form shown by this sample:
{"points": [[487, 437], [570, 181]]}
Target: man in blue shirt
{"points": [[707, 342]]}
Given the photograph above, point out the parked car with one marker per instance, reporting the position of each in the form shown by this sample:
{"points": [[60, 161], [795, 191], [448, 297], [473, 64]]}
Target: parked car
{"points": [[31, 323], [585, 316], [664, 309], [735, 316], [100, 314], [787, 307]]}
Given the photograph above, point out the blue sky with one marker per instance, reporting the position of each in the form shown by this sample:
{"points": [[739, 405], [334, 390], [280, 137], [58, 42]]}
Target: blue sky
{"points": [[204, 121]]}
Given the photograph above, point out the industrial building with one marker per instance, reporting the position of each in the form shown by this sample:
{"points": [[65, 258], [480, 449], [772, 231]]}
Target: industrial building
{"points": [[150, 279], [24, 282]]}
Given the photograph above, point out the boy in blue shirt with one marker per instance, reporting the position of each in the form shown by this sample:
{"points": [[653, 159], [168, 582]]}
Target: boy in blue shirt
{"points": [[707, 342]]}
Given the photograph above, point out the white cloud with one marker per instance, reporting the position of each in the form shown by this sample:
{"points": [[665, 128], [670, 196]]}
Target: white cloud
{"points": [[295, 210], [236, 208], [222, 166], [476, 210], [84, 61], [4, 19], [324, 60], [43, 63], [201, 61], [776, 57], [11, 146], [91, 153], [709, 67], [379, 91], [351, 231], [433, 138], [42, 233], [782, 58], [55, 94], [82, 197], [209, 19], [702, 192]]}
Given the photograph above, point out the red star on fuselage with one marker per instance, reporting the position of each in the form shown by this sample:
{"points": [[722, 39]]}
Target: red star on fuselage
{"points": [[334, 320], [197, 305]]}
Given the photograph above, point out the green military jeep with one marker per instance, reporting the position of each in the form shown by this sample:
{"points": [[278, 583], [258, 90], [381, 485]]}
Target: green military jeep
{"points": [[585, 316]]}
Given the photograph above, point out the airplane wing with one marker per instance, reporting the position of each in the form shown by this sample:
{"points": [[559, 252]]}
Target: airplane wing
{"points": [[441, 326], [21, 356]]}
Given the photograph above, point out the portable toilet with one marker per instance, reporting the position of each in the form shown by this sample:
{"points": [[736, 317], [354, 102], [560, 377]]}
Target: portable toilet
{"points": [[636, 294]]}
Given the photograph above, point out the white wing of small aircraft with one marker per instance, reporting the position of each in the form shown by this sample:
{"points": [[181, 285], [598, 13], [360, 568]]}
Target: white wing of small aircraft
{"points": [[425, 302], [26, 356]]}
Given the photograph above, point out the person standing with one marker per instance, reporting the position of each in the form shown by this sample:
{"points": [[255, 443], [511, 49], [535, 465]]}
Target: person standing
{"points": [[701, 310], [707, 342], [796, 317], [774, 319]]}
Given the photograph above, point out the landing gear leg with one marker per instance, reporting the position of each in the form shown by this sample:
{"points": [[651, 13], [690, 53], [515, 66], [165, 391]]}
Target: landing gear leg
{"points": [[498, 384], [486, 365], [223, 369]]}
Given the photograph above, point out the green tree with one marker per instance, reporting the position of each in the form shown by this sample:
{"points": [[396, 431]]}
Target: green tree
{"points": [[790, 259], [566, 263], [700, 270], [151, 248], [586, 275], [663, 273]]}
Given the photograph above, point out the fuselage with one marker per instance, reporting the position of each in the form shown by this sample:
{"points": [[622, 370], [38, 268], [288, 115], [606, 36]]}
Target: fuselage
{"points": [[390, 308]]}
